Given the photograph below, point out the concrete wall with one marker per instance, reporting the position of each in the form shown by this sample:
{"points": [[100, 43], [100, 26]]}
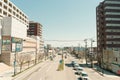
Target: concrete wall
{"points": [[6, 26], [18, 29], [6, 58], [14, 28]]}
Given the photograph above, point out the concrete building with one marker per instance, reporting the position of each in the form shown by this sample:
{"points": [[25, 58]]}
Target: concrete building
{"points": [[13, 30], [108, 29], [13, 34], [35, 31], [108, 25], [8, 9]]}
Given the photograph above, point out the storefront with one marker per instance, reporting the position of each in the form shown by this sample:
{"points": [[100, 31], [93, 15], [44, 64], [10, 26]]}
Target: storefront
{"points": [[11, 44]]}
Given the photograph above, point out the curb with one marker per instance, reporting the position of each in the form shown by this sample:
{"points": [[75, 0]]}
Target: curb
{"points": [[27, 72], [98, 72]]}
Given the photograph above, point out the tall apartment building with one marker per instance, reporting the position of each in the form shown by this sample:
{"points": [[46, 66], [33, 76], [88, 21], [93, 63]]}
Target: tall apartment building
{"points": [[108, 25], [35, 31]]}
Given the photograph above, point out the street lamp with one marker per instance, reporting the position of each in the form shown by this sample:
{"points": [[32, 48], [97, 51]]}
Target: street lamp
{"points": [[36, 52], [15, 59], [85, 50], [92, 54]]}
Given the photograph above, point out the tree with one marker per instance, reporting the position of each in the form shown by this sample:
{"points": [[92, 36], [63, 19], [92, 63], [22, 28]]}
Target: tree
{"points": [[20, 60], [28, 59]]}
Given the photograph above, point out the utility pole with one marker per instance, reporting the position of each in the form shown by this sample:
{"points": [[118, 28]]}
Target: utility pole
{"points": [[79, 51], [36, 52], [92, 54], [85, 50]]}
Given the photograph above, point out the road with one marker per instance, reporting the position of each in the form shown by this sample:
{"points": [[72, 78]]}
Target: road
{"points": [[48, 71]]}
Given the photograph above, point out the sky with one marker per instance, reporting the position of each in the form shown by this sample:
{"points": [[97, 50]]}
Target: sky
{"points": [[63, 19]]}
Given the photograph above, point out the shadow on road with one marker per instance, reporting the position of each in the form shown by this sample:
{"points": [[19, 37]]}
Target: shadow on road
{"points": [[68, 65], [98, 69]]}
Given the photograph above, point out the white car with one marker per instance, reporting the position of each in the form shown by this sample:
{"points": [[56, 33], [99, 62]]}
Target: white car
{"points": [[84, 76], [79, 70]]}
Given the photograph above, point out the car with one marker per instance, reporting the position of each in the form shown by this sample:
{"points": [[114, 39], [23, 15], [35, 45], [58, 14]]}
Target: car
{"points": [[79, 70], [73, 62], [84, 76]]}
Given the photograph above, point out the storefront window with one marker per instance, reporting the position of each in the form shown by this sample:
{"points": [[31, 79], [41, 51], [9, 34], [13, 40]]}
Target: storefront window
{"points": [[16, 44], [6, 45]]}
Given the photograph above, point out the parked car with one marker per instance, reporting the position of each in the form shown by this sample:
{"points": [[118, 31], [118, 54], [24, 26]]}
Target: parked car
{"points": [[79, 70], [73, 63], [84, 76]]}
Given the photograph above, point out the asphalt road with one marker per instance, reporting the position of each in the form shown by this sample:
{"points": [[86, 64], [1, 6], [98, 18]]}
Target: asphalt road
{"points": [[48, 71]]}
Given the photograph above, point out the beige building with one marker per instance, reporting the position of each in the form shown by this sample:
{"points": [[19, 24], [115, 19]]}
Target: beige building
{"points": [[13, 30], [111, 61]]}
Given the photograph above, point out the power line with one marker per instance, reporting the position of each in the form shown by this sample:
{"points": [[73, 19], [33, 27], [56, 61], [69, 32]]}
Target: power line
{"points": [[64, 40]]}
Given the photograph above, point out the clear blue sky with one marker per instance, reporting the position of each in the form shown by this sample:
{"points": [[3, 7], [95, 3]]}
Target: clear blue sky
{"points": [[62, 19]]}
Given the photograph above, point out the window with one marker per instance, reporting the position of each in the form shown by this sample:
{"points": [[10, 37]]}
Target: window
{"points": [[6, 1], [5, 7], [16, 47], [9, 15], [6, 45], [112, 13], [0, 4], [115, 19], [109, 7], [13, 13], [112, 2], [10, 4], [112, 24], [17, 10], [0, 10], [10, 10], [5, 13], [14, 8]]}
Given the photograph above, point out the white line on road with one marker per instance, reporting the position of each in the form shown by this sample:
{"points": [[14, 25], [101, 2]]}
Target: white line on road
{"points": [[42, 66], [49, 67], [48, 70]]}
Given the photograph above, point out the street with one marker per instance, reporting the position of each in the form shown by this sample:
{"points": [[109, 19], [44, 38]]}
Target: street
{"points": [[48, 71]]}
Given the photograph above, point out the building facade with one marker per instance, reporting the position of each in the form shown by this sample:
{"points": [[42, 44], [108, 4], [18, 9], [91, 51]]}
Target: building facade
{"points": [[13, 30], [13, 34], [7, 8], [35, 31], [108, 27]]}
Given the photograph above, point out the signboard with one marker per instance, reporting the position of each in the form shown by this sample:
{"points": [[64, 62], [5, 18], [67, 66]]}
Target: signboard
{"points": [[16, 40]]}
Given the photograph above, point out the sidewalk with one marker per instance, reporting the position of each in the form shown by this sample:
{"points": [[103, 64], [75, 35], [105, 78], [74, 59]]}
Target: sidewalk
{"points": [[99, 70], [103, 72], [5, 72]]}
